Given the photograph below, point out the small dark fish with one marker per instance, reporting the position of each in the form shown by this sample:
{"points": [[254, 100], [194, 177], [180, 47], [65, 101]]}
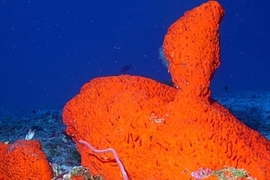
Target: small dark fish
{"points": [[126, 68], [226, 88]]}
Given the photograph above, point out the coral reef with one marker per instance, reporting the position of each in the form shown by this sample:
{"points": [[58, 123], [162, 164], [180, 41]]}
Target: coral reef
{"points": [[131, 127], [227, 173], [162, 132]]}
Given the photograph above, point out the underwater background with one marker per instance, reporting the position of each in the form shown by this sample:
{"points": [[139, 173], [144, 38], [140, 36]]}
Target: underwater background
{"points": [[49, 49]]}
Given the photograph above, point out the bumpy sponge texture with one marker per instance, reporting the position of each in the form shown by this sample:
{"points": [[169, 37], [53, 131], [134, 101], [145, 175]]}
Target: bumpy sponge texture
{"points": [[162, 132]]}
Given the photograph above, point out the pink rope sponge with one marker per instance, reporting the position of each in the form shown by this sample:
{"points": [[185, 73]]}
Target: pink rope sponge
{"points": [[105, 151]]}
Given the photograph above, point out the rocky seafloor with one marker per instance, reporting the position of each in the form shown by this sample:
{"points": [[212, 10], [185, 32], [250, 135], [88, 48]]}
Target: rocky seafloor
{"points": [[252, 108]]}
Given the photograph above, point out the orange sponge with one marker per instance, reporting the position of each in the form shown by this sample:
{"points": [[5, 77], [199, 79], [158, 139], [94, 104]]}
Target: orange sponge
{"points": [[24, 160], [3, 148], [162, 132], [191, 46]]}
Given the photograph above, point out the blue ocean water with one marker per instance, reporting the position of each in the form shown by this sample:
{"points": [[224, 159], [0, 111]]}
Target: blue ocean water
{"points": [[49, 49]]}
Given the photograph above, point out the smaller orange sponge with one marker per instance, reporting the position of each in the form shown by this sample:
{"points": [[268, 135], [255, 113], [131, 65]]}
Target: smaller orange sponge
{"points": [[23, 160]]}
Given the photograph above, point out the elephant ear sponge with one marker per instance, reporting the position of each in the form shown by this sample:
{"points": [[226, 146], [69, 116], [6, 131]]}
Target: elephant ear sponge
{"points": [[162, 132], [191, 46]]}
